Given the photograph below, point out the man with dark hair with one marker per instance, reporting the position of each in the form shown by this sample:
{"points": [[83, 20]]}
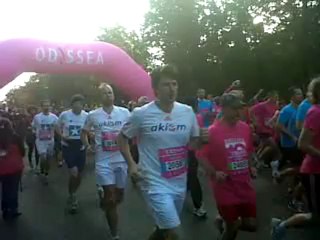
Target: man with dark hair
{"points": [[288, 129], [70, 124], [164, 127]]}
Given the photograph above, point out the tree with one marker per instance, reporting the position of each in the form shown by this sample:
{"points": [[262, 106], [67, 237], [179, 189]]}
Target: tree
{"points": [[216, 42], [129, 41]]}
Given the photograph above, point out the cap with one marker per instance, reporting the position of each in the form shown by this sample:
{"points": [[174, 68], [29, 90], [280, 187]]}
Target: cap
{"points": [[231, 100]]}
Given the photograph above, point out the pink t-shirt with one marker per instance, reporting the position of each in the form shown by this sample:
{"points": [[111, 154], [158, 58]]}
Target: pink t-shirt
{"points": [[263, 113], [311, 164], [229, 150]]}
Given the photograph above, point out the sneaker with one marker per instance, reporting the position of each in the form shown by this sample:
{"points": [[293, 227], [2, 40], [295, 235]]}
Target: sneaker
{"points": [[60, 164], [278, 231], [116, 238], [219, 224], [200, 212], [72, 204], [275, 169]]}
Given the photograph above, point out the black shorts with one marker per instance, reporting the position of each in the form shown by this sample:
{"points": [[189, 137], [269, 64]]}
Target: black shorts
{"points": [[74, 157], [311, 185], [292, 155]]}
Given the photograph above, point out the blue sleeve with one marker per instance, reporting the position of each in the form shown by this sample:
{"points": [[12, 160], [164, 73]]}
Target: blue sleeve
{"points": [[301, 113], [284, 117]]}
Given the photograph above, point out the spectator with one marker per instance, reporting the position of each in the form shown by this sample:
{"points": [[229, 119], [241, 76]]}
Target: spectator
{"points": [[11, 165]]}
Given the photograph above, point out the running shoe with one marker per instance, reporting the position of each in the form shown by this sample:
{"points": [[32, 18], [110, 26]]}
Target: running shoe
{"points": [[72, 204], [219, 224], [200, 212]]}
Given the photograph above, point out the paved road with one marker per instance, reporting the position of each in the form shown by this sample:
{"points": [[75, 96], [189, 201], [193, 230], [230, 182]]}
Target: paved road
{"points": [[44, 217]]}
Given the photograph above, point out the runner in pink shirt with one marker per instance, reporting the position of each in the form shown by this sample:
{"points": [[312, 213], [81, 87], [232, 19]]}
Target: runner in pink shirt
{"points": [[309, 143], [229, 162], [262, 115]]}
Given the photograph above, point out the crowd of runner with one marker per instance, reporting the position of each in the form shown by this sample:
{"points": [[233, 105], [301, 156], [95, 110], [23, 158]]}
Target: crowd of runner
{"points": [[160, 145]]}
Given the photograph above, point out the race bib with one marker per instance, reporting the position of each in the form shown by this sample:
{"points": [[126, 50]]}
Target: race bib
{"points": [[109, 141], [173, 161], [45, 135], [238, 166], [45, 132]]}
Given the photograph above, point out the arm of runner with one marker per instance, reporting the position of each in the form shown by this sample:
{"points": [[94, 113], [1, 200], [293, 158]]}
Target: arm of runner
{"points": [[59, 126], [129, 131], [282, 121], [197, 136], [311, 126], [85, 133], [301, 114], [34, 124]]}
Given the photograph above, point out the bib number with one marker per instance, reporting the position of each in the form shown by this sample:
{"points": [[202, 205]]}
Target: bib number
{"points": [[238, 166], [109, 141], [173, 161], [45, 135]]}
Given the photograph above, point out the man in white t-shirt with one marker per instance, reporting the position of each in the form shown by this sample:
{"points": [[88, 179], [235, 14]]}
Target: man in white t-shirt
{"points": [[111, 168], [164, 128], [73, 151], [44, 124]]}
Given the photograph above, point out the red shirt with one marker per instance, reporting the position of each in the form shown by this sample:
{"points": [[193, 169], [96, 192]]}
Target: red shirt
{"points": [[229, 150], [311, 164], [12, 162], [263, 113]]}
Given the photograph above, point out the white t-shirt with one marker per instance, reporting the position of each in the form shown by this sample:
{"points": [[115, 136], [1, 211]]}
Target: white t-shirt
{"points": [[163, 140], [106, 129], [71, 124], [44, 126]]}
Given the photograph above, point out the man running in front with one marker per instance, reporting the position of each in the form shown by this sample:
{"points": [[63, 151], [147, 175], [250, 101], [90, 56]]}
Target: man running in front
{"points": [[111, 168], [229, 163], [45, 124], [73, 151], [164, 127]]}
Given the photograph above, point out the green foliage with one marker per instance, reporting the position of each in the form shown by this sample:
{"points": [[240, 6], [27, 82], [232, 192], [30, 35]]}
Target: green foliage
{"points": [[213, 43], [216, 42]]}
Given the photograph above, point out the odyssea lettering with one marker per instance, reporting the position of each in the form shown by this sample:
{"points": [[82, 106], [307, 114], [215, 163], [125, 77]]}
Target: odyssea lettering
{"points": [[52, 55]]}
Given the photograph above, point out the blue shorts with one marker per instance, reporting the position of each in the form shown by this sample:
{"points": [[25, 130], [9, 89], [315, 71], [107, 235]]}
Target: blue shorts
{"points": [[74, 157]]}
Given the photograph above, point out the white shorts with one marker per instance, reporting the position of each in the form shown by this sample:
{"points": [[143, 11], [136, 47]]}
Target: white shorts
{"points": [[45, 147], [112, 174], [165, 208]]}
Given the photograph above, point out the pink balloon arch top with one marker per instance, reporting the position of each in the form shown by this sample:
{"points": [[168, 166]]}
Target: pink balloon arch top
{"points": [[98, 58]]}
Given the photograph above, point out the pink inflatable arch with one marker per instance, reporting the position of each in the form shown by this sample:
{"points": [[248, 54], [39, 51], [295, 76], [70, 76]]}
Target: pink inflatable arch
{"points": [[99, 58]]}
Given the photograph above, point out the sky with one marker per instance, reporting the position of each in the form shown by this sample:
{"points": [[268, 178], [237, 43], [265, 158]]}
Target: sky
{"points": [[65, 21]]}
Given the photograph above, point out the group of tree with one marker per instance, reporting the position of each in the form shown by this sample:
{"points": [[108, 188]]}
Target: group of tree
{"points": [[265, 43]]}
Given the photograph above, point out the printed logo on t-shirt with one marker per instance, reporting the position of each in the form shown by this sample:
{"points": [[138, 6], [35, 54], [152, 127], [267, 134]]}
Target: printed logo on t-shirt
{"points": [[237, 155], [74, 130], [173, 161], [110, 124], [168, 127]]}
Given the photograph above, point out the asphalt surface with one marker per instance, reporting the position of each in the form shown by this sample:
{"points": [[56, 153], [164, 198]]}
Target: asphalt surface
{"points": [[44, 216]]}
